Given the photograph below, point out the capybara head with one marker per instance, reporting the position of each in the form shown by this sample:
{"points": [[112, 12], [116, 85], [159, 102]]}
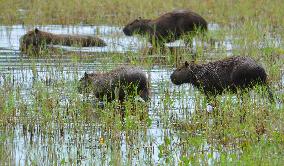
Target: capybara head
{"points": [[31, 41], [85, 83], [139, 26], [183, 74]]}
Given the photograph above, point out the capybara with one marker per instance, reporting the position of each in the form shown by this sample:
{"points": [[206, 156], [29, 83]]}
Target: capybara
{"points": [[215, 77], [168, 27], [35, 40], [116, 84]]}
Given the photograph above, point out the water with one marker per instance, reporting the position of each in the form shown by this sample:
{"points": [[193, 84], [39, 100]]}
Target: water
{"points": [[92, 142], [24, 71], [10, 36]]}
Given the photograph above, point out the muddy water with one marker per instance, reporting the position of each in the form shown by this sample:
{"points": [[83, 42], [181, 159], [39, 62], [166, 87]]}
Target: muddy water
{"points": [[85, 147]]}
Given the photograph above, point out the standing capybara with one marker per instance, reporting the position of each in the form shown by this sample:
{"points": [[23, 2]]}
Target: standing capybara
{"points": [[116, 84], [35, 40], [168, 27], [214, 77]]}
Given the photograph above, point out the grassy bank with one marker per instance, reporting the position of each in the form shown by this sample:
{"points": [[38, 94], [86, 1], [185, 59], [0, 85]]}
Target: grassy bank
{"points": [[121, 11]]}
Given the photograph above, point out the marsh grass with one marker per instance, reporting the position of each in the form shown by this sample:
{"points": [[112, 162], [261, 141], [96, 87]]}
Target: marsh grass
{"points": [[121, 12], [227, 134], [54, 111], [44, 120]]}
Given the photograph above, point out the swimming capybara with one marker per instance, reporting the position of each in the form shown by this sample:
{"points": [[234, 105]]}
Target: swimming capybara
{"points": [[168, 27], [116, 84], [35, 40], [215, 77]]}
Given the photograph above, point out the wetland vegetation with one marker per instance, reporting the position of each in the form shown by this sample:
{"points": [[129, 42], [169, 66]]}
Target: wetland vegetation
{"points": [[45, 120]]}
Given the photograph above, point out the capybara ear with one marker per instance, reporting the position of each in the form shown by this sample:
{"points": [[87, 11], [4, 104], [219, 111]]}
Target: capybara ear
{"points": [[36, 30], [85, 74], [186, 64]]}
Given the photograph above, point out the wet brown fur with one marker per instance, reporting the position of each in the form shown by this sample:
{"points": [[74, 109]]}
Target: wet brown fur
{"points": [[168, 27], [215, 77], [117, 81], [35, 40]]}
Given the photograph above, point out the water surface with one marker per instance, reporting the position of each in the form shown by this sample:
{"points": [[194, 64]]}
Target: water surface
{"points": [[88, 142]]}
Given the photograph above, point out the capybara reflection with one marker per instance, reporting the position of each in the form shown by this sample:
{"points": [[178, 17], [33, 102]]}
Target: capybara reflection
{"points": [[215, 77], [116, 84], [35, 40], [168, 27]]}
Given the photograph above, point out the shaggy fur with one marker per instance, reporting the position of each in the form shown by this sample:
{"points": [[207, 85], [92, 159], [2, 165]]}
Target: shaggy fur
{"points": [[214, 77], [35, 40], [168, 27], [117, 83]]}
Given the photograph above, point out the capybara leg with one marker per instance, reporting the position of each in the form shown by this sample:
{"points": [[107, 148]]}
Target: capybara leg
{"points": [[266, 90], [188, 41], [270, 94], [144, 94]]}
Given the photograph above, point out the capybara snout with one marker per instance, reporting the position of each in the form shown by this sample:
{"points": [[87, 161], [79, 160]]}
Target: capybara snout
{"points": [[181, 74], [127, 32]]}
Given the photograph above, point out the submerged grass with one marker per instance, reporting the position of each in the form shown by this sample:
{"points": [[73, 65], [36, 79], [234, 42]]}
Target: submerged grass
{"points": [[43, 119]]}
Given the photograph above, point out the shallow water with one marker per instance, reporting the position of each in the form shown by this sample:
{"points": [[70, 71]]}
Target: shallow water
{"points": [[114, 37], [24, 71], [50, 146]]}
